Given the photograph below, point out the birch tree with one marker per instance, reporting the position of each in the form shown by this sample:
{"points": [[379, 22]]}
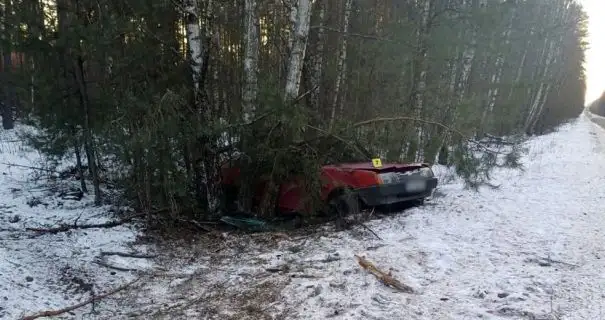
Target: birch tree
{"points": [[300, 18], [316, 60], [420, 74], [155, 89], [206, 171], [251, 36], [342, 61]]}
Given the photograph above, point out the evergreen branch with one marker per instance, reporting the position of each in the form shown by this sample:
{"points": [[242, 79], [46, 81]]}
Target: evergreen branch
{"points": [[326, 133]]}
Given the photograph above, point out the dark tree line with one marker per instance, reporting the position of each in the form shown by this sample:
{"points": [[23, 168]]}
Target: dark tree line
{"points": [[598, 106]]}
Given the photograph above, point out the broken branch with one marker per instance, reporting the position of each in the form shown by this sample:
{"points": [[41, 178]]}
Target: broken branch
{"points": [[386, 278], [28, 167], [52, 313], [128, 255], [67, 227], [103, 263], [370, 230]]}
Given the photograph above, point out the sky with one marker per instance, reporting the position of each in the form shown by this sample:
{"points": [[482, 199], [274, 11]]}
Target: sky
{"points": [[595, 57]]}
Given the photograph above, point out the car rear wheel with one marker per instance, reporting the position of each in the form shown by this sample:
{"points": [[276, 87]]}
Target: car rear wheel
{"points": [[343, 204]]}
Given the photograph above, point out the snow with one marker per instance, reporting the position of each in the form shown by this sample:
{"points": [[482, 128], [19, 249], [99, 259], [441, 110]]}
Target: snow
{"points": [[48, 271], [530, 249]]}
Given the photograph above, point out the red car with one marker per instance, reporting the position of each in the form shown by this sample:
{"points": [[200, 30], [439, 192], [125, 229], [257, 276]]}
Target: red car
{"points": [[348, 185]]}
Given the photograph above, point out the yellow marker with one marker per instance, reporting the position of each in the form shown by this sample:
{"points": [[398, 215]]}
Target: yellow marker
{"points": [[377, 163]]}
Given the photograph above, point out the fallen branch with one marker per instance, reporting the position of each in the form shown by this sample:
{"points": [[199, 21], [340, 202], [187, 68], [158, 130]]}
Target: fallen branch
{"points": [[368, 217], [53, 313], [105, 264], [198, 224], [28, 167], [370, 230], [128, 255], [550, 261], [67, 227], [386, 278]]}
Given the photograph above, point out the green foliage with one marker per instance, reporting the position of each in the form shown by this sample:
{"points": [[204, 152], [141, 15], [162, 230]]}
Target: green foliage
{"points": [[478, 73]]}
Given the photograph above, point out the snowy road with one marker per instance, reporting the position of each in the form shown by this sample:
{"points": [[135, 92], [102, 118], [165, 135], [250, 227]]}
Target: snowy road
{"points": [[532, 249]]}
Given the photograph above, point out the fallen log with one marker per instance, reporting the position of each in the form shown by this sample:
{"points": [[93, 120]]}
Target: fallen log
{"points": [[53, 313], [386, 278]]}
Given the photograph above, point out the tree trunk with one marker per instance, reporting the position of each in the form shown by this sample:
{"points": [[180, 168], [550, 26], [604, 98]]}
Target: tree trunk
{"points": [[300, 16], [196, 45], [420, 76], [9, 91], [251, 39], [495, 80], [317, 59], [543, 91], [540, 97], [89, 144], [79, 167], [205, 167], [342, 61]]}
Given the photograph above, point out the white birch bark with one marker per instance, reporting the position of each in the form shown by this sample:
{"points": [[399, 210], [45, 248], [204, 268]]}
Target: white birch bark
{"points": [[342, 60], [548, 79], [468, 57], [196, 50], [550, 52], [519, 73], [419, 94], [459, 84], [211, 31], [300, 32], [194, 39], [540, 97], [251, 39], [317, 59], [493, 92]]}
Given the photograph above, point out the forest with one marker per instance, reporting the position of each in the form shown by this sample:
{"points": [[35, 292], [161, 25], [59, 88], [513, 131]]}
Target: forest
{"points": [[598, 107], [151, 97]]}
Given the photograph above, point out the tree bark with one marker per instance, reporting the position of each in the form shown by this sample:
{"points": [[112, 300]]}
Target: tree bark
{"points": [[205, 167], [420, 76], [89, 145], [341, 72], [300, 17], [78, 152], [499, 66], [317, 59], [196, 44], [9, 91], [251, 39]]}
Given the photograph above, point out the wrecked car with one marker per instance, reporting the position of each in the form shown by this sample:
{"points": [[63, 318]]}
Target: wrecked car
{"points": [[345, 187]]}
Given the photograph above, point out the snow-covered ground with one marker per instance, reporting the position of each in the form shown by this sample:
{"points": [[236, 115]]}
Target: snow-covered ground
{"points": [[532, 249], [50, 271]]}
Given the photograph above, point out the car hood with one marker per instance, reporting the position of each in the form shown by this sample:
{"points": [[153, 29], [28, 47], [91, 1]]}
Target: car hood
{"points": [[385, 166]]}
